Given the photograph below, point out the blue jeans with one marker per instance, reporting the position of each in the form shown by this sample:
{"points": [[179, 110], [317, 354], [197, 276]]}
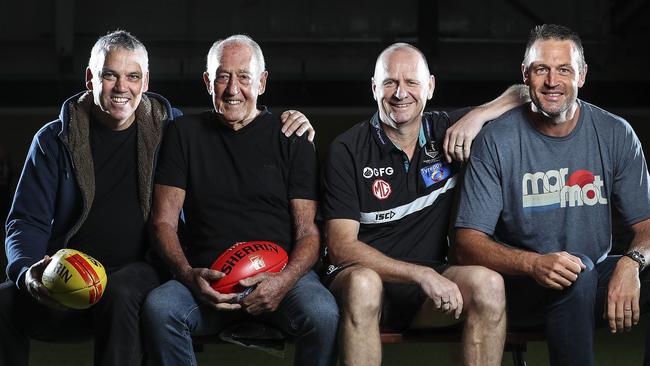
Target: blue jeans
{"points": [[308, 313], [571, 315]]}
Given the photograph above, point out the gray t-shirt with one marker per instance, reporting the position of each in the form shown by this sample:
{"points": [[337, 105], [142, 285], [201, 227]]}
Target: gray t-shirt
{"points": [[547, 194]]}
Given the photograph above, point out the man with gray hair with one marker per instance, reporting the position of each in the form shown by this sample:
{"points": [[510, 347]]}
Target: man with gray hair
{"points": [[237, 178], [537, 201], [86, 185]]}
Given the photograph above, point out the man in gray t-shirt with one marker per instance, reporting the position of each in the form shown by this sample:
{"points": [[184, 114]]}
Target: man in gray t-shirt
{"points": [[537, 199]]}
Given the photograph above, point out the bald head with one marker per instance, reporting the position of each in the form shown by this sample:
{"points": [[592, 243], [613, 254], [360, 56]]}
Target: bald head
{"points": [[402, 85], [383, 60]]}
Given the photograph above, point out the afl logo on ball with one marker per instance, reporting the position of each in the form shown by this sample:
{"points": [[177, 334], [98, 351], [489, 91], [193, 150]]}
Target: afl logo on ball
{"points": [[381, 189], [257, 262]]}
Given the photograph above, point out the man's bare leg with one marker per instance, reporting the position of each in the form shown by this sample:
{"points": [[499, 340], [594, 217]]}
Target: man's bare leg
{"points": [[484, 313], [359, 292]]}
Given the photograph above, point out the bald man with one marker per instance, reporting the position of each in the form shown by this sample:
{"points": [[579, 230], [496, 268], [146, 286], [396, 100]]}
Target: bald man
{"points": [[388, 195]]}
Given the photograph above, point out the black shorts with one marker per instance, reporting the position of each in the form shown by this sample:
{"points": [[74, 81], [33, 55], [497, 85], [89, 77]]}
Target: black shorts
{"points": [[401, 302]]}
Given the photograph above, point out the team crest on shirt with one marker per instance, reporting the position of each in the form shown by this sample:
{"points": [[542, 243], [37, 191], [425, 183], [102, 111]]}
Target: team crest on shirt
{"points": [[432, 153], [435, 173], [381, 189]]}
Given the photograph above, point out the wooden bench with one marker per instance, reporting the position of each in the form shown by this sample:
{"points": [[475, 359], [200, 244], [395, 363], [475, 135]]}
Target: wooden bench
{"points": [[516, 340]]}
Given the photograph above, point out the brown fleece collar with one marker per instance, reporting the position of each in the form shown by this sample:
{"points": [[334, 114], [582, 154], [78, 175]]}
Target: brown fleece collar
{"points": [[149, 117]]}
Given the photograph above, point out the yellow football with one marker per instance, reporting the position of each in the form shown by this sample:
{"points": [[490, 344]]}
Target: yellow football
{"points": [[75, 279]]}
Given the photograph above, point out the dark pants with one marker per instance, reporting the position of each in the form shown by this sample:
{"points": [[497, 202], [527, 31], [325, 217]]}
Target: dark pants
{"points": [[113, 322], [571, 315]]}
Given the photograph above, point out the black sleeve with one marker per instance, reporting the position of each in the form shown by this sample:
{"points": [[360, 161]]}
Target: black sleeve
{"points": [[340, 198], [172, 161], [303, 173]]}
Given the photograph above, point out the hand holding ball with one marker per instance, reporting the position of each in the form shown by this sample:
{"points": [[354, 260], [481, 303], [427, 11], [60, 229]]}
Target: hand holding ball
{"points": [[75, 279], [247, 259]]}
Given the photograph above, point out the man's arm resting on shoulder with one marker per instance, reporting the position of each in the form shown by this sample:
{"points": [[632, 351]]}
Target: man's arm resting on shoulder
{"points": [[624, 289], [345, 249], [167, 205], [552, 270], [272, 287], [463, 132]]}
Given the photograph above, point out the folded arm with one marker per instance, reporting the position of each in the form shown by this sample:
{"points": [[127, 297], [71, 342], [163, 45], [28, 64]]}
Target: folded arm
{"points": [[553, 270]]}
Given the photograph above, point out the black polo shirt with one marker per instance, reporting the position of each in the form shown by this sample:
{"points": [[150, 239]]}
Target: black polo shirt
{"points": [[238, 184], [403, 207]]}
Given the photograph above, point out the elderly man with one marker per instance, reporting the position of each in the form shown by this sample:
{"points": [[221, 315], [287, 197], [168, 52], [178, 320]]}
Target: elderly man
{"points": [[537, 201], [237, 178], [86, 185], [388, 196]]}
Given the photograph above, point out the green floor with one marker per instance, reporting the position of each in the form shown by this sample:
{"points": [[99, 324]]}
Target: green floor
{"points": [[624, 350]]}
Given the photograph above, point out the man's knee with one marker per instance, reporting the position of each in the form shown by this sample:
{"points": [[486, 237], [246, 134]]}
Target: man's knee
{"points": [[583, 289], [483, 289], [361, 292], [159, 307]]}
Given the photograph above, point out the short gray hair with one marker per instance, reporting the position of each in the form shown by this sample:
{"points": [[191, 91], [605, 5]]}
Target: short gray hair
{"points": [[214, 55], [119, 39]]}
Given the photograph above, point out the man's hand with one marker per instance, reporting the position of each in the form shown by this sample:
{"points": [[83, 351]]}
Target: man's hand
{"points": [[623, 292], [271, 289], [35, 287], [296, 122], [459, 137], [445, 294], [198, 281], [557, 270]]}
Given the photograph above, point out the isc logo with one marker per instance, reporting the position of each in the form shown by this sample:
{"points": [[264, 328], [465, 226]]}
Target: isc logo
{"points": [[384, 216]]}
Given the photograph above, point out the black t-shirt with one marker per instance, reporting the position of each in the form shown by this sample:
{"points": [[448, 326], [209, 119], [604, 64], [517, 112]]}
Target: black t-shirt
{"points": [[403, 206], [114, 231], [238, 184]]}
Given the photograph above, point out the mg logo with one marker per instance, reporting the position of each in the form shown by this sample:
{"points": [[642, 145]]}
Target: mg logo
{"points": [[381, 189]]}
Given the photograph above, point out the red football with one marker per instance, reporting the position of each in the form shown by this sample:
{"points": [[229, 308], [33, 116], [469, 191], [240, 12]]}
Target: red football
{"points": [[247, 259]]}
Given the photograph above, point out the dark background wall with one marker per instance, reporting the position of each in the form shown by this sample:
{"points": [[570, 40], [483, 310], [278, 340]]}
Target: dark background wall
{"points": [[320, 54]]}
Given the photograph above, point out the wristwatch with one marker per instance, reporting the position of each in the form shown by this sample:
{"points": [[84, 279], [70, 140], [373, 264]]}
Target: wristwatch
{"points": [[637, 257]]}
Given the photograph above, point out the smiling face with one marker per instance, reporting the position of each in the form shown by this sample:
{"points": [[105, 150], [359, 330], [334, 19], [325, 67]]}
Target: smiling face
{"points": [[238, 81], [401, 86], [117, 87], [554, 72]]}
